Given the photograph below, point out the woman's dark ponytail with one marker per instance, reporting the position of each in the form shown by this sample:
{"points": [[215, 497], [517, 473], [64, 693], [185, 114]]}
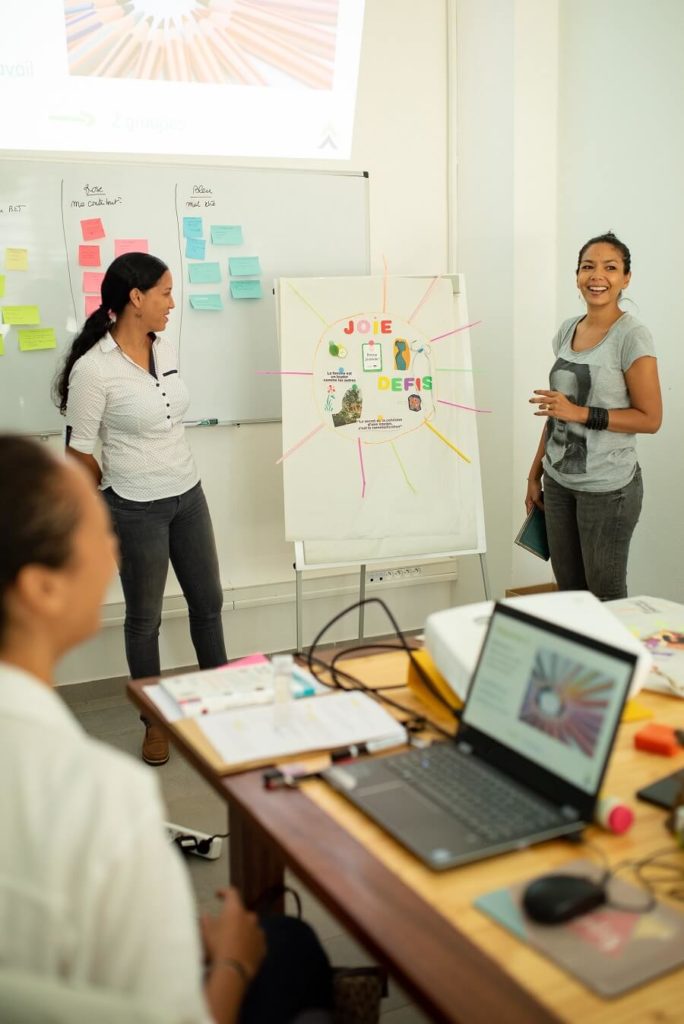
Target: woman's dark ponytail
{"points": [[95, 328], [132, 270]]}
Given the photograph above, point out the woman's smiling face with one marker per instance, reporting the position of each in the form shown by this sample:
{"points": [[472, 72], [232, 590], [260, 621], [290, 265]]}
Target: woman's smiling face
{"points": [[601, 275]]}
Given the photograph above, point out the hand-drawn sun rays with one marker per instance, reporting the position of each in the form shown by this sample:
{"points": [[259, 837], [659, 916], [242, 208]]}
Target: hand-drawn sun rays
{"points": [[369, 359]]}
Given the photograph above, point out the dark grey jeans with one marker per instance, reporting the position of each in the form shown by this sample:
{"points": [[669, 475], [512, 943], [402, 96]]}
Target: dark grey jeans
{"points": [[589, 535], [150, 534]]}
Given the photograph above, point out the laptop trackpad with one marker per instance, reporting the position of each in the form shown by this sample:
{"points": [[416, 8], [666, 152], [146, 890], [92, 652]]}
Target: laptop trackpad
{"points": [[417, 822]]}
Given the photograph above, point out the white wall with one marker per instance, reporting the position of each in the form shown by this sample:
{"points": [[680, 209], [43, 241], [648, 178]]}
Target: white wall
{"points": [[401, 140], [484, 142], [621, 167], [569, 124], [535, 145], [506, 244]]}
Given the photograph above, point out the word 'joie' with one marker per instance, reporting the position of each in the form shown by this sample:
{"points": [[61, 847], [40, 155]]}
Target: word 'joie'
{"points": [[368, 327]]}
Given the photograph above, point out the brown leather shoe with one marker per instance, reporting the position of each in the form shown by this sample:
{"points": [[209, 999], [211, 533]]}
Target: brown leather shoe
{"points": [[155, 748]]}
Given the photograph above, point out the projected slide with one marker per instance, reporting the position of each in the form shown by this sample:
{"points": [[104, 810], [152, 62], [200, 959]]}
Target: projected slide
{"points": [[213, 77]]}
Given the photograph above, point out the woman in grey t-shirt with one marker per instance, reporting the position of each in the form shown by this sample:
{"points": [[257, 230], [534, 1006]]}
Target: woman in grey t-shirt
{"points": [[604, 390]]}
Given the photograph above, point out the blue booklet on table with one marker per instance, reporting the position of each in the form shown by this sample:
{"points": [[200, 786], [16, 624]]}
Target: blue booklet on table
{"points": [[532, 534]]}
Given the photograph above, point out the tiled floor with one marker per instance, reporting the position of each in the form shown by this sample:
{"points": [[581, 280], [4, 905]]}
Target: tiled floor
{"points": [[105, 713]]}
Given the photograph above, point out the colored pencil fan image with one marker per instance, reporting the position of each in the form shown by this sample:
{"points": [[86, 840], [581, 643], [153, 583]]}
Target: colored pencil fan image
{"points": [[241, 42], [566, 700]]}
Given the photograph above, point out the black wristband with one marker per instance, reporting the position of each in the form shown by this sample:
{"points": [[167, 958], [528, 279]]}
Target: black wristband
{"points": [[597, 418]]}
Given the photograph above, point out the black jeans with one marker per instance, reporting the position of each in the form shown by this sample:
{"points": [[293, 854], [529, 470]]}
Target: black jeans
{"points": [[152, 533], [589, 535], [294, 977]]}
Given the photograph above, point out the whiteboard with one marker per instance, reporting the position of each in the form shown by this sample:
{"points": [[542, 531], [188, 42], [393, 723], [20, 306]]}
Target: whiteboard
{"points": [[380, 447], [285, 222]]}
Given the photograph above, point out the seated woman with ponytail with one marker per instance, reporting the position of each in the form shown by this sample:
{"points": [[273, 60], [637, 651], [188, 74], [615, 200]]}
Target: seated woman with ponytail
{"points": [[120, 385], [94, 900]]}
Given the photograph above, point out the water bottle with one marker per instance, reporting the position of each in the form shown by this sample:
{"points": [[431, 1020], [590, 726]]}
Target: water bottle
{"points": [[282, 688]]}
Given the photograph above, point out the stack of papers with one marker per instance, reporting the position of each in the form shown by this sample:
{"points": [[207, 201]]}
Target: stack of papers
{"points": [[659, 624], [263, 734], [246, 682]]}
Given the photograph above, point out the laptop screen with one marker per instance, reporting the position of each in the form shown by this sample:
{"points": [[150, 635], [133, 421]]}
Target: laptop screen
{"points": [[553, 697]]}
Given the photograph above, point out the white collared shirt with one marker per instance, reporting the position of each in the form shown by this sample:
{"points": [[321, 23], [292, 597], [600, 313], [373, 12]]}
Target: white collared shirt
{"points": [[90, 890], [137, 417]]}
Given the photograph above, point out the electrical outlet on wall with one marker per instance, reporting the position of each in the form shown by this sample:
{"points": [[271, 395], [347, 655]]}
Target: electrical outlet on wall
{"points": [[394, 575]]}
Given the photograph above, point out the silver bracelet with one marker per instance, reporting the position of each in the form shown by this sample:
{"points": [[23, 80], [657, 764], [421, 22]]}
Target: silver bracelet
{"points": [[240, 969]]}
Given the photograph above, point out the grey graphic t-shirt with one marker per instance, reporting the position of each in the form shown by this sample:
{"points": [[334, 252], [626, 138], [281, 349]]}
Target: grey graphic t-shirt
{"points": [[594, 460]]}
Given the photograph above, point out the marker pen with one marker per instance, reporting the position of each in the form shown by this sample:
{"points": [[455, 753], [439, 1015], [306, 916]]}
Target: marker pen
{"points": [[370, 747], [611, 814]]}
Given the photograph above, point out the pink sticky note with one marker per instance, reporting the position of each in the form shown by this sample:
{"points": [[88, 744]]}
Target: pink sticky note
{"points": [[122, 245], [92, 281], [92, 302], [92, 229], [89, 256], [250, 659]]}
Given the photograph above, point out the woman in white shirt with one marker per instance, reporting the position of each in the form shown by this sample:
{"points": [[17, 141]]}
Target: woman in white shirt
{"points": [[120, 385], [91, 891]]}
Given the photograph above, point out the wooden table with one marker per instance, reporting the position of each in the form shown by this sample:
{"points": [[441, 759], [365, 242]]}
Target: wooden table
{"points": [[457, 964]]}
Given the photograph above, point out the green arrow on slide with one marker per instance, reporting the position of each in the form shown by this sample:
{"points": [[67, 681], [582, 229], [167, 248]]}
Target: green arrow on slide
{"points": [[83, 118]]}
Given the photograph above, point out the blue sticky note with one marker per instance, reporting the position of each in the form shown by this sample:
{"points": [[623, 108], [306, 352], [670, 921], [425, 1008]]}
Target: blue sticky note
{"points": [[212, 301], [204, 273], [226, 234], [245, 289], [195, 248], [192, 227], [244, 266]]}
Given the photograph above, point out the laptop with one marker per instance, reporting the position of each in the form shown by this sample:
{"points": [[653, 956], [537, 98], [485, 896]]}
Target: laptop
{"points": [[536, 733]]}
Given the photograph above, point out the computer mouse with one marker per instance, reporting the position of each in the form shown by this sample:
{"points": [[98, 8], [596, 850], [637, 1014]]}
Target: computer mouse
{"points": [[553, 899]]}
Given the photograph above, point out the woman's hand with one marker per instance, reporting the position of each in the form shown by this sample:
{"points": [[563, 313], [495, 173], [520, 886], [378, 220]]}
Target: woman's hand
{"points": [[534, 495], [233, 934], [558, 405]]}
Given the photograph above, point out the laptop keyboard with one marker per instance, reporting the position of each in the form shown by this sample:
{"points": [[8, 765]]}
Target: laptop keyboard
{"points": [[484, 801]]}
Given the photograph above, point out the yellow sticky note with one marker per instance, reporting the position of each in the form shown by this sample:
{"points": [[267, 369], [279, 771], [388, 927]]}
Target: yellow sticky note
{"points": [[2, 285], [2, 345], [20, 315], [32, 340], [16, 259]]}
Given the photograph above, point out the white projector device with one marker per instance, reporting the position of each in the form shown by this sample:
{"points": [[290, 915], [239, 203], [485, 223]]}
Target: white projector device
{"points": [[453, 637]]}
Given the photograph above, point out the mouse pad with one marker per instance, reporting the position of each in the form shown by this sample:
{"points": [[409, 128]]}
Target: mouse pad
{"points": [[609, 950]]}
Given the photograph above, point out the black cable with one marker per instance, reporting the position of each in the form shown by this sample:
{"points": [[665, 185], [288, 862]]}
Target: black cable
{"points": [[400, 636], [191, 844], [314, 660], [369, 647], [675, 872]]}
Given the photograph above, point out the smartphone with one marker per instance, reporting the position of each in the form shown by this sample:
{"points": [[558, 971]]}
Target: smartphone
{"points": [[663, 793]]}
